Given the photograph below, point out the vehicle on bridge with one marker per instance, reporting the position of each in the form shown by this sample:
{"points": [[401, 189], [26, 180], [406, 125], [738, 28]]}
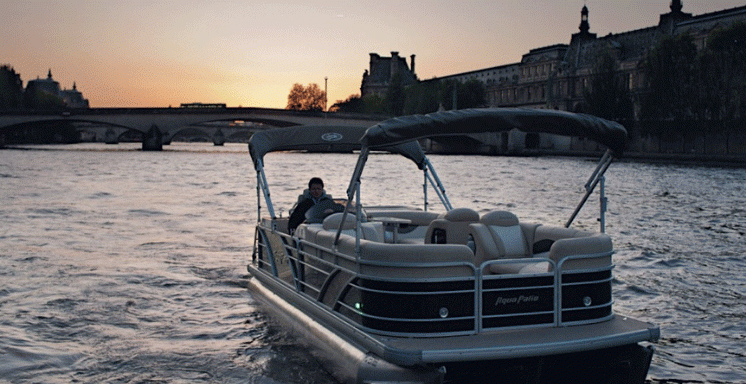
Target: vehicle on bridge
{"points": [[400, 294]]}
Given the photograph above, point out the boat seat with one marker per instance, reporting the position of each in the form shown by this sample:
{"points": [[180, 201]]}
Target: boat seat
{"points": [[372, 231], [451, 227], [499, 235], [568, 241]]}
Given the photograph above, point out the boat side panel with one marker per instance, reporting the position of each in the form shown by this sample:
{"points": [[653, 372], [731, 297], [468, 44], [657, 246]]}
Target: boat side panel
{"points": [[348, 362], [434, 289]]}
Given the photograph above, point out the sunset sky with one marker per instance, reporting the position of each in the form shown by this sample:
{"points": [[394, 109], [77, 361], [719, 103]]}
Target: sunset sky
{"points": [[148, 53]]}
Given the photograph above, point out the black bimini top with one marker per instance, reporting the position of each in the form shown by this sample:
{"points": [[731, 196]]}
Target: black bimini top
{"points": [[323, 138], [406, 128]]}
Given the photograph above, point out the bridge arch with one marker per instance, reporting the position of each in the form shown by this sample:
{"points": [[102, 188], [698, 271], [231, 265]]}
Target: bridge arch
{"points": [[169, 121]]}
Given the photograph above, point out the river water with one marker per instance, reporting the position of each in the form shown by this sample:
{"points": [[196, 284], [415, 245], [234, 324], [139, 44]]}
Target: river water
{"points": [[123, 266]]}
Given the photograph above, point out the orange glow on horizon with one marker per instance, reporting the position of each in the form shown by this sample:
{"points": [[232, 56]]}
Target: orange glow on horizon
{"points": [[160, 54]]}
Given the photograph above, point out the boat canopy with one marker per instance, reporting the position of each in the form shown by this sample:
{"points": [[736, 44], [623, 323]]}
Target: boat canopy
{"points": [[324, 138], [467, 121], [471, 121]]}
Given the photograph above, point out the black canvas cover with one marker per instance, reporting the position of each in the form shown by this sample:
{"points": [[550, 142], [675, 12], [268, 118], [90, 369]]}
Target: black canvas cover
{"points": [[406, 128], [323, 138]]}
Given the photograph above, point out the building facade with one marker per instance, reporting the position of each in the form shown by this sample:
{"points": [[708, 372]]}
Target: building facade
{"points": [[384, 71], [555, 77], [72, 98]]}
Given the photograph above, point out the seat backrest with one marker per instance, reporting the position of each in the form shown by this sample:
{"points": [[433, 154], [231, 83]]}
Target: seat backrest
{"points": [[451, 227], [507, 234], [370, 231]]}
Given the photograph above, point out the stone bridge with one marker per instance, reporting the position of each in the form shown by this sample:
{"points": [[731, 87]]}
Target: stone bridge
{"points": [[158, 126]]}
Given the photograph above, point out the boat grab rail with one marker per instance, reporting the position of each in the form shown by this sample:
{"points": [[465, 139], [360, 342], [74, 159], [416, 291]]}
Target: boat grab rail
{"points": [[556, 272]]}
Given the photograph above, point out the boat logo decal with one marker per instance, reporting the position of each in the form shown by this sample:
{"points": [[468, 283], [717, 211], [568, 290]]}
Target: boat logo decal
{"points": [[331, 136], [516, 300]]}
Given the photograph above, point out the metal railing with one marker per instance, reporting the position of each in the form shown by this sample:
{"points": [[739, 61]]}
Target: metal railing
{"points": [[442, 305]]}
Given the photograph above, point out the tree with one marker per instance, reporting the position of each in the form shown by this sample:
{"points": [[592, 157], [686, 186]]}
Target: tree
{"points": [[726, 49], [608, 96], [310, 98], [722, 79], [471, 94], [671, 77], [457, 95], [11, 89], [395, 96], [353, 104], [422, 98], [670, 104], [35, 98], [374, 104], [429, 96]]}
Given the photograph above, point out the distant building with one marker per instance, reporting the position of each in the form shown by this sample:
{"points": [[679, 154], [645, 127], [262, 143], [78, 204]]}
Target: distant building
{"points": [[48, 85], [72, 98], [556, 76], [383, 71], [203, 105]]}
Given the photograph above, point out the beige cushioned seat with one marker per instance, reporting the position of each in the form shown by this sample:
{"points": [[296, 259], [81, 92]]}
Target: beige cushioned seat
{"points": [[499, 235], [451, 227], [370, 231]]}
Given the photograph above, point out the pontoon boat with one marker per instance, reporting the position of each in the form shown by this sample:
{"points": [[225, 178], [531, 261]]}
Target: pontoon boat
{"points": [[411, 295]]}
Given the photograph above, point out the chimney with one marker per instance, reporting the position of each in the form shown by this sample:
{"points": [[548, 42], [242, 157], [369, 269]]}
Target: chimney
{"points": [[412, 64], [394, 63]]}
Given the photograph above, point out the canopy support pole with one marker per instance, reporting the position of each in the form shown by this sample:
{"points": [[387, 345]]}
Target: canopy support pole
{"points": [[354, 190], [595, 178], [261, 183], [440, 190]]}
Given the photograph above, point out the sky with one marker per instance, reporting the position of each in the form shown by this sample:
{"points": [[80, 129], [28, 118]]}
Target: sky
{"points": [[160, 53]]}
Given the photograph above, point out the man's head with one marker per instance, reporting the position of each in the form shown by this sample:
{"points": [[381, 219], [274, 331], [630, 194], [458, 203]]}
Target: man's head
{"points": [[316, 187]]}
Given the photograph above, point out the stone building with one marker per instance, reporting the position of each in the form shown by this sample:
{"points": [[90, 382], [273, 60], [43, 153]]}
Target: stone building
{"points": [[48, 85], [383, 71], [556, 76], [72, 98]]}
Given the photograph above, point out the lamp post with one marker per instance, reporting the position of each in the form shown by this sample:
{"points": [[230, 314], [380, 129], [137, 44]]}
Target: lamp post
{"points": [[325, 96]]}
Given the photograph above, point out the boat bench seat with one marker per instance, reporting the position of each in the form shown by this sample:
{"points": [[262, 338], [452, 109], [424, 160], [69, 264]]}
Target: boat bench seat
{"points": [[370, 231], [412, 261], [451, 227], [563, 242], [499, 235], [396, 261]]}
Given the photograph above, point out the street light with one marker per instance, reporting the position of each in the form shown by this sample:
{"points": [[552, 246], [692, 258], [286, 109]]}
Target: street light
{"points": [[325, 96]]}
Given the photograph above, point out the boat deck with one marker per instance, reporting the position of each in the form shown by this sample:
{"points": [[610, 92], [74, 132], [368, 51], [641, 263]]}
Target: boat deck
{"points": [[505, 344]]}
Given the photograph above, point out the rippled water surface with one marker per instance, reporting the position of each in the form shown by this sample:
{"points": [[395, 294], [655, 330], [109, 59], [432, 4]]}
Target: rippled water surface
{"points": [[122, 266]]}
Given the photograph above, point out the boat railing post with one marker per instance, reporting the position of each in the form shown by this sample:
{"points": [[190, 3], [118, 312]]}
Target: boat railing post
{"points": [[424, 187], [557, 294], [358, 224], [258, 198], [602, 203]]}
